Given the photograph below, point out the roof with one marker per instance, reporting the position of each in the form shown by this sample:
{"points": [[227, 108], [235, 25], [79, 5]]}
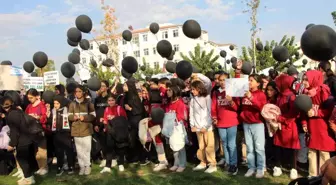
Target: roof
{"points": [[218, 44]]}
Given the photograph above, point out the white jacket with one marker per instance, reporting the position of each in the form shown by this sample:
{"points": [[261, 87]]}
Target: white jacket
{"points": [[200, 113]]}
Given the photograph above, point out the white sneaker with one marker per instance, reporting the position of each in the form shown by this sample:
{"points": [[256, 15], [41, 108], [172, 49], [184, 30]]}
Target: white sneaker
{"points": [[21, 176], [199, 167], [17, 173], [121, 168], [277, 172], [43, 171], [87, 170], [211, 169], [221, 162], [160, 167], [26, 181], [114, 163], [65, 167], [249, 173], [54, 160], [106, 170], [260, 174], [102, 163], [38, 172], [180, 169], [174, 168], [293, 174], [81, 171]]}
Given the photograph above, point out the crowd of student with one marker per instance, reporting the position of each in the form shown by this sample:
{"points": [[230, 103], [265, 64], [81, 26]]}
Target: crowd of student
{"points": [[205, 120]]}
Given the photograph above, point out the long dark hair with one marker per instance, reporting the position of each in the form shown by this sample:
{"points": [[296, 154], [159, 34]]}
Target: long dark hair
{"points": [[199, 86], [33, 92], [274, 86], [257, 78], [176, 92], [326, 67]]}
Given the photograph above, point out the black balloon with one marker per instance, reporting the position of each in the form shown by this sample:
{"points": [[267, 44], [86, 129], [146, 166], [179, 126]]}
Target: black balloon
{"points": [[297, 54], [246, 68], [76, 51], [74, 58], [157, 115], [68, 69], [129, 64], [231, 47], [171, 57], [15, 96], [309, 26], [234, 62], [292, 70], [103, 48], [164, 48], [71, 87], [33, 74], [84, 44], [220, 67], [94, 63], [319, 43], [94, 84], [143, 68], [127, 35], [184, 69], [73, 44], [259, 46], [40, 59], [266, 48], [303, 103], [108, 62], [154, 27], [222, 53], [74, 34], [84, 23], [280, 53], [28, 66], [48, 96], [228, 62], [6, 63], [171, 67], [125, 74], [192, 29], [304, 61]]}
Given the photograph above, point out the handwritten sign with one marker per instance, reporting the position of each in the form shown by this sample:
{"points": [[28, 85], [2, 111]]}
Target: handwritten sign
{"points": [[33, 82], [15, 71], [51, 78], [236, 87]]}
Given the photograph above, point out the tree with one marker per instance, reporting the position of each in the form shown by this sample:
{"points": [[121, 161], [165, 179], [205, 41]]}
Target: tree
{"points": [[264, 58], [200, 59], [333, 14], [148, 70], [49, 67], [103, 73]]}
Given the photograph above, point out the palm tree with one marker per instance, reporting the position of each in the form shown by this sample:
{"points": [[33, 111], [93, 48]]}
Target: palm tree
{"points": [[201, 60], [333, 14]]}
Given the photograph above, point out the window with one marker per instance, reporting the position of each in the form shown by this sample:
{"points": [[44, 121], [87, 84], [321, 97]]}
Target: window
{"points": [[146, 52], [124, 54], [165, 35], [124, 42], [156, 65], [135, 40], [99, 57], [84, 60], [137, 53], [91, 58], [154, 51], [176, 48], [175, 33], [91, 46], [145, 37]]}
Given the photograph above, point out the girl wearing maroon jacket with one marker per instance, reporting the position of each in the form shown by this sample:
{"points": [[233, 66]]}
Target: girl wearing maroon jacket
{"points": [[286, 140], [224, 113], [254, 132], [316, 121]]}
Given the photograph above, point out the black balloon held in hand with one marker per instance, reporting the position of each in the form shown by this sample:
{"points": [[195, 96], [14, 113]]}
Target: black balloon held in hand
{"points": [[68, 69], [143, 68], [84, 23], [103, 49], [309, 26], [266, 48], [157, 115], [74, 58], [40, 59], [76, 51], [303, 103], [280, 53], [184, 69], [259, 46], [108, 62], [48, 96], [222, 53], [304, 61], [231, 47], [33, 74], [319, 43], [292, 70], [192, 29], [129, 64], [234, 62], [171, 57], [127, 35], [246, 68], [74, 35], [171, 67], [28, 67], [94, 84], [73, 44], [154, 28], [228, 62], [6, 63], [94, 63], [125, 74], [220, 67], [164, 48], [84, 44]]}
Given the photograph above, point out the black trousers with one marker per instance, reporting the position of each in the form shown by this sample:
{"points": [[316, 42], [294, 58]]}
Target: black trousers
{"points": [[102, 141], [285, 157], [50, 146], [149, 153], [63, 144], [133, 153], [113, 152], [25, 156]]}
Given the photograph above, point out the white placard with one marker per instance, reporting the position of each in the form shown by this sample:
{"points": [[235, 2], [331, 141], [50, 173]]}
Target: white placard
{"points": [[10, 79], [51, 78], [15, 71], [236, 87], [84, 74], [33, 82]]}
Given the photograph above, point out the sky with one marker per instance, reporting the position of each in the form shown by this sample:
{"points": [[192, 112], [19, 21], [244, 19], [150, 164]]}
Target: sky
{"points": [[39, 25]]}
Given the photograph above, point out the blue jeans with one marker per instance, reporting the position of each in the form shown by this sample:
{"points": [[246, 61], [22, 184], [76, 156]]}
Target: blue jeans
{"points": [[180, 158], [228, 137], [255, 144]]}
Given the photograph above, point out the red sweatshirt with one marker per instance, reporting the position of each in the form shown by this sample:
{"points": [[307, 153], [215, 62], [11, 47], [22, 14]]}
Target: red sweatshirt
{"points": [[180, 109], [163, 94], [225, 112], [252, 107], [113, 111], [41, 111]]}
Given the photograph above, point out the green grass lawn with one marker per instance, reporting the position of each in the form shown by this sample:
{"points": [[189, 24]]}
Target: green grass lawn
{"points": [[135, 175]]}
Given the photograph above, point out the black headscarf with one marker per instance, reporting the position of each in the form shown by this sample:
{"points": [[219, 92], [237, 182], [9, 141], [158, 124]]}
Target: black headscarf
{"points": [[133, 100]]}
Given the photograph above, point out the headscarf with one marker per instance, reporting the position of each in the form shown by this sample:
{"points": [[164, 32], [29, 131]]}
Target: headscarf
{"points": [[284, 84], [315, 80]]}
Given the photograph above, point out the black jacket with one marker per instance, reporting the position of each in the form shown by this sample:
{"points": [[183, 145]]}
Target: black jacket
{"points": [[18, 134], [100, 105], [133, 100], [331, 82], [118, 130]]}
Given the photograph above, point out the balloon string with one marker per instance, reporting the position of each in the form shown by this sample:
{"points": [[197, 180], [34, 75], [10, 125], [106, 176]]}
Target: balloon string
{"points": [[94, 39], [156, 37]]}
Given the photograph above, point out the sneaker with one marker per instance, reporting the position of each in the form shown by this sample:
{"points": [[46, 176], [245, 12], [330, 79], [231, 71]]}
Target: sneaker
{"points": [[37, 172], [59, 172], [121, 168], [221, 162], [17, 173], [260, 174], [199, 167], [114, 163], [106, 170], [293, 174], [180, 169], [277, 172], [144, 163], [211, 169], [233, 170], [54, 160], [21, 176], [249, 173], [65, 167], [174, 168], [26, 181], [43, 171], [102, 163], [87, 170], [160, 167], [71, 171], [81, 171]]}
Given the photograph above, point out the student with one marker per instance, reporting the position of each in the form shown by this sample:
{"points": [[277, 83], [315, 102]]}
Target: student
{"points": [[224, 113], [265, 80], [38, 110], [201, 123], [329, 76], [271, 92], [82, 116], [254, 131], [112, 115], [60, 127]]}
